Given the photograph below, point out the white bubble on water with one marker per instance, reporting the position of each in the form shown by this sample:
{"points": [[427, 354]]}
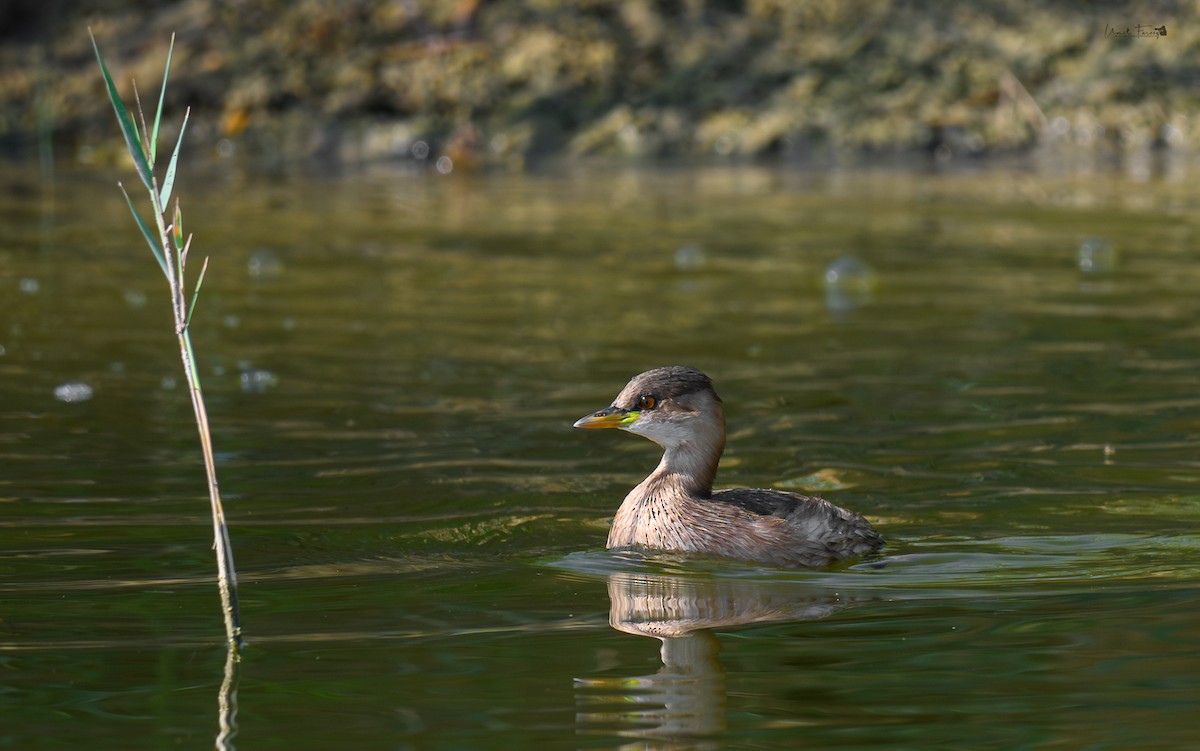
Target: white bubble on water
{"points": [[263, 263], [849, 283], [258, 381], [847, 272], [73, 391], [1097, 256], [29, 285], [689, 257], [135, 298], [445, 165]]}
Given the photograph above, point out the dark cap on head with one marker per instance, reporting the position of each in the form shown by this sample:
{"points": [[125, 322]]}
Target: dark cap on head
{"points": [[664, 383]]}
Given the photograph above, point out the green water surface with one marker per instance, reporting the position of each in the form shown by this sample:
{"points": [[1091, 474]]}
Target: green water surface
{"points": [[394, 359]]}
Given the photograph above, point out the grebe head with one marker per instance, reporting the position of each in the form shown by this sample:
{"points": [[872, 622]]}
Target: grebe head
{"points": [[675, 406]]}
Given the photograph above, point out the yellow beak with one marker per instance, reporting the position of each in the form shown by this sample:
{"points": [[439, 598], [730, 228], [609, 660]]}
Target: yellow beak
{"points": [[607, 418]]}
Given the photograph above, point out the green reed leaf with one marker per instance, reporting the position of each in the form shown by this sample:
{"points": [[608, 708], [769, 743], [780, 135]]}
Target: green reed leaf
{"points": [[128, 129], [177, 227], [157, 251], [169, 179], [196, 292], [141, 113], [162, 94]]}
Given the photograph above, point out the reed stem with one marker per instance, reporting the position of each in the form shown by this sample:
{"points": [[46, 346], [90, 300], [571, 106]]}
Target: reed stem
{"points": [[170, 250]]}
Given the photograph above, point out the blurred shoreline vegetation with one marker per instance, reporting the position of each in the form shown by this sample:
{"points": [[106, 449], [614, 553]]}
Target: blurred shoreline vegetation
{"points": [[504, 83]]}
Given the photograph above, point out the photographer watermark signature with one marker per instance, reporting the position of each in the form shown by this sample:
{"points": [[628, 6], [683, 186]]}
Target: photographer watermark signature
{"points": [[1139, 31]]}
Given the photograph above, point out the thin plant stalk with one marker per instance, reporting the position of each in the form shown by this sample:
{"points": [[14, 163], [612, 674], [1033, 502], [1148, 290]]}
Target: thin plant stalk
{"points": [[167, 244]]}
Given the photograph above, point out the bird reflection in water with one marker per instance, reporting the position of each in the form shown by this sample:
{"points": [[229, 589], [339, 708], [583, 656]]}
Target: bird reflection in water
{"points": [[685, 699]]}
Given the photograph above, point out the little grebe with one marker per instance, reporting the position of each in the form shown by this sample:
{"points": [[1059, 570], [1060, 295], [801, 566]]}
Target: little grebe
{"points": [[675, 508]]}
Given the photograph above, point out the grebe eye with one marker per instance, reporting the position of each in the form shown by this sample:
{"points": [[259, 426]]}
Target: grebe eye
{"points": [[646, 401]]}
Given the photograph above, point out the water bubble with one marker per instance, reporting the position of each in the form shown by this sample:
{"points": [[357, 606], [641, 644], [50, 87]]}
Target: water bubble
{"points": [[73, 391], [231, 321], [3, 351], [848, 283], [117, 367], [689, 257], [226, 148], [135, 298], [847, 272], [445, 165], [1097, 256], [30, 286], [289, 324], [264, 263], [420, 150], [167, 382], [257, 380]]}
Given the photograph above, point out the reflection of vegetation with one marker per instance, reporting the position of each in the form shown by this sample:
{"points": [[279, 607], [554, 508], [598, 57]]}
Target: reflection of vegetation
{"points": [[171, 251], [503, 80]]}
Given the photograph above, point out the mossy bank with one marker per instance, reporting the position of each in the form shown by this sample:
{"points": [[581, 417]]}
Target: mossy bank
{"points": [[472, 84]]}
